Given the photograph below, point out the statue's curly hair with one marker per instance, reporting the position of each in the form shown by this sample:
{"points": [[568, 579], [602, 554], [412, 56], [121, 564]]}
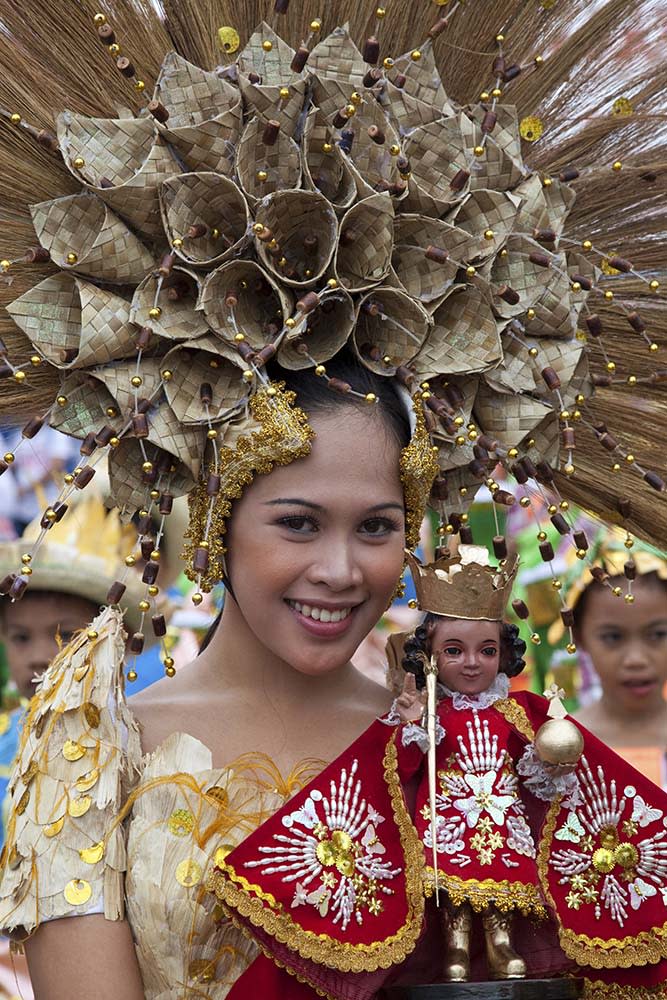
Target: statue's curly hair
{"points": [[416, 649]]}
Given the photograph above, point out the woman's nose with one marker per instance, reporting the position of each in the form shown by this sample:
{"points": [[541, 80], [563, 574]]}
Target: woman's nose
{"points": [[336, 565]]}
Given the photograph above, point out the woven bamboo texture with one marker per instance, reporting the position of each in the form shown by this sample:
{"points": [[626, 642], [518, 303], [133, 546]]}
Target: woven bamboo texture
{"points": [[179, 318], [397, 331], [465, 335], [326, 170], [292, 217], [322, 334], [363, 256], [260, 302], [281, 163], [208, 199], [191, 368]]}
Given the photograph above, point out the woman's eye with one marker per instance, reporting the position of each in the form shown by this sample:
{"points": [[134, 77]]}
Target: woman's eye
{"points": [[610, 637], [299, 523], [379, 526]]}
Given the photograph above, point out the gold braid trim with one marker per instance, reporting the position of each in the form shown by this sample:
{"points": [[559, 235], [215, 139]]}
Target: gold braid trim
{"points": [[504, 895], [516, 716], [418, 469], [595, 989], [233, 892], [277, 432], [645, 948]]}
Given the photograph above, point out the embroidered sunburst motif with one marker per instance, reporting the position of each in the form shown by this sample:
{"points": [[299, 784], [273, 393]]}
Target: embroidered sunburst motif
{"points": [[332, 852], [602, 868]]}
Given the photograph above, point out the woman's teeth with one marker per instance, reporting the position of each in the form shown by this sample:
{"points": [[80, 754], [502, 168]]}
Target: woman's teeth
{"points": [[320, 614]]}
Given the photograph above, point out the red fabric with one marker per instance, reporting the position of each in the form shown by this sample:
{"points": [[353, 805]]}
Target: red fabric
{"points": [[265, 981]]}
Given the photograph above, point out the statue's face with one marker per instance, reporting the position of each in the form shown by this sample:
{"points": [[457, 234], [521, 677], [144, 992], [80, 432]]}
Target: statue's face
{"points": [[316, 547], [467, 653]]}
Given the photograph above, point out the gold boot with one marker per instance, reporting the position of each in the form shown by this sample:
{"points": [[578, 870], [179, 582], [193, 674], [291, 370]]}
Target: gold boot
{"points": [[501, 959], [456, 925]]}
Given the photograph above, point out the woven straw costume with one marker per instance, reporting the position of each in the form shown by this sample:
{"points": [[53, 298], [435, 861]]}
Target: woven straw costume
{"points": [[464, 218]]}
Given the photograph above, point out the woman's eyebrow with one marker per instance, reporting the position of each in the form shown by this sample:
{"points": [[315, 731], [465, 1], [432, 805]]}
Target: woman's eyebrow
{"points": [[299, 502]]}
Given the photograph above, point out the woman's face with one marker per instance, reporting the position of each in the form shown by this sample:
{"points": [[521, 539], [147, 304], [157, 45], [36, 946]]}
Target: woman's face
{"points": [[467, 653], [29, 629], [315, 548], [628, 643]]}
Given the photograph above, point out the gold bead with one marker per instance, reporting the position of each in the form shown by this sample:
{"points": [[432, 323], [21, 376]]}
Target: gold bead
{"points": [[575, 286], [629, 542], [535, 639], [19, 376], [247, 375], [167, 375], [132, 676], [387, 62], [556, 584], [538, 60], [320, 370], [484, 96], [616, 591], [532, 352], [611, 366], [355, 97], [496, 92], [370, 397], [282, 262], [478, 150], [177, 243], [503, 252], [139, 86], [5, 265], [50, 514], [415, 55], [130, 560], [155, 312], [530, 314], [576, 414], [262, 175], [114, 442], [587, 245], [581, 553], [609, 296], [629, 459], [489, 234], [155, 494], [316, 25], [460, 440], [272, 391], [144, 605], [350, 110], [394, 149], [136, 381], [79, 162], [579, 398], [211, 434], [91, 633], [629, 598], [653, 347], [9, 457], [616, 467], [71, 258], [267, 45], [463, 491], [26, 558], [512, 453], [68, 478], [258, 228], [541, 536], [472, 435], [500, 38], [147, 466], [332, 283], [654, 285], [114, 50], [459, 421], [464, 519], [99, 20], [568, 470], [552, 508], [326, 147], [412, 603], [442, 530], [571, 648], [35, 360], [616, 165], [15, 119], [471, 271], [564, 505], [197, 599], [564, 415], [632, 380], [386, 360], [547, 182]]}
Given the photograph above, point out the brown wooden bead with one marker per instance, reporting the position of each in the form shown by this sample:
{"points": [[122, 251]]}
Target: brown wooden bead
{"points": [[311, 243], [654, 480], [520, 609], [254, 78], [594, 324], [551, 378], [59, 509], [568, 438], [478, 468], [373, 76], [567, 617], [599, 574], [18, 588], [489, 122], [529, 467], [149, 476], [585, 282], [569, 174], [455, 521], [144, 525], [454, 395], [436, 254], [300, 59], [281, 6], [437, 29], [519, 473], [480, 452], [486, 441], [403, 166], [308, 302], [546, 551], [340, 120], [166, 264], [137, 643], [3, 466], [656, 377], [47, 140], [206, 393], [511, 72], [560, 524], [5, 369], [159, 626], [271, 132], [115, 592], [545, 235], [166, 503], [636, 322], [104, 435], [34, 425], [267, 352], [150, 573], [600, 380], [540, 259], [607, 441], [140, 427], [200, 560], [147, 545], [504, 498], [624, 507], [125, 66], [400, 80], [338, 385], [88, 445], [196, 231], [371, 307], [508, 295], [106, 34], [376, 134], [440, 489], [499, 546], [371, 51], [621, 264], [6, 583], [245, 350], [213, 484], [499, 66], [630, 569], [459, 180], [158, 111], [580, 540], [36, 255]]}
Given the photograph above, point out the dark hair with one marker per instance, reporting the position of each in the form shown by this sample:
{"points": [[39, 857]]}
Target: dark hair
{"points": [[416, 649], [580, 608], [314, 396]]}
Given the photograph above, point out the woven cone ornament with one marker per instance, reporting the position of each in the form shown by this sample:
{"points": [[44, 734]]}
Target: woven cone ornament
{"points": [[266, 167], [325, 167], [319, 333], [365, 243], [205, 115], [84, 403], [391, 328], [124, 162], [465, 334], [73, 323], [428, 255], [304, 227], [82, 234], [242, 299], [176, 299], [191, 369], [436, 152], [206, 216], [490, 215]]}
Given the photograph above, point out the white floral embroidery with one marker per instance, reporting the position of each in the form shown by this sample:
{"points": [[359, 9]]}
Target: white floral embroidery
{"points": [[332, 851], [519, 837], [639, 892], [483, 799]]}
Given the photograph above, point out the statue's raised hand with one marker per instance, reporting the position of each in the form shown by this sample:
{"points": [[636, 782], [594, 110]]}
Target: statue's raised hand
{"points": [[410, 703]]}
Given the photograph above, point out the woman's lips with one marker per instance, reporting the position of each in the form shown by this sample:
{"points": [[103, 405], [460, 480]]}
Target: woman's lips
{"points": [[638, 687], [323, 629]]}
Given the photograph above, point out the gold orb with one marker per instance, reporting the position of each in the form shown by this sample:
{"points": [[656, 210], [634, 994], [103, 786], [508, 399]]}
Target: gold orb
{"points": [[144, 605], [267, 45], [170, 671], [512, 452], [559, 741], [114, 50], [320, 370], [71, 258], [571, 648], [478, 150], [136, 381], [167, 375], [387, 62], [247, 375], [629, 598], [653, 347], [326, 147], [262, 175], [489, 234], [654, 285], [415, 55], [616, 165], [616, 591], [547, 182], [535, 639], [139, 86], [99, 20], [332, 283], [19, 376], [532, 352], [132, 676], [471, 271], [155, 312], [370, 397], [609, 296], [316, 25], [177, 243], [581, 553], [484, 96], [496, 92], [79, 162], [576, 286], [197, 599], [211, 434], [130, 560], [15, 119], [92, 634]]}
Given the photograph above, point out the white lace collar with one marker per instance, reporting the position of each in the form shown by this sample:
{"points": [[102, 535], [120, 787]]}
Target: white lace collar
{"points": [[499, 689]]}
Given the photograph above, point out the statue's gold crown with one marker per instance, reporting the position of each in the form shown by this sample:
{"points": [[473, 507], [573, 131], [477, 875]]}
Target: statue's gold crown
{"points": [[463, 584]]}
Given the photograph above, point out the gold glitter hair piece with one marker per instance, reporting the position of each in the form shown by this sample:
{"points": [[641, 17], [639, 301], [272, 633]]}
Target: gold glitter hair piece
{"points": [[277, 433], [419, 467]]}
